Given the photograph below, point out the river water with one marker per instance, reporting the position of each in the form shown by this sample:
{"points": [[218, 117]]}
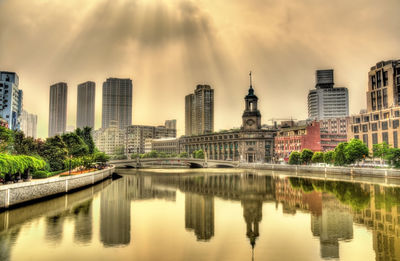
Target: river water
{"points": [[210, 215]]}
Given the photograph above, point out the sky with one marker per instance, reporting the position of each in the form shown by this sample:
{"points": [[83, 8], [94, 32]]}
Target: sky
{"points": [[167, 47]]}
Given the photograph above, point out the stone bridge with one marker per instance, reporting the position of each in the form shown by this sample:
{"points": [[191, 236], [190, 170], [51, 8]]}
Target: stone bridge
{"points": [[192, 163]]}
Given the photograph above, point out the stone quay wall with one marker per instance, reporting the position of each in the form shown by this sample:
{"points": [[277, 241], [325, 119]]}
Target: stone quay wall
{"points": [[18, 193], [353, 171]]}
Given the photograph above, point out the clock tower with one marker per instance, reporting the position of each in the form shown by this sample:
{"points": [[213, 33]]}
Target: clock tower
{"points": [[251, 115]]}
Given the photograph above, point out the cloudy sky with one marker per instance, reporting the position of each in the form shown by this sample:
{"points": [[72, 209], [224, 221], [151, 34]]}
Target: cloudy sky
{"points": [[168, 46]]}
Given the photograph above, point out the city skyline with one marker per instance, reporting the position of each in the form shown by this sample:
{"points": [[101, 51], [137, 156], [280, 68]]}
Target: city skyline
{"points": [[191, 43]]}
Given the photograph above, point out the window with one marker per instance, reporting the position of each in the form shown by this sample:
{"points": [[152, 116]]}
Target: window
{"points": [[355, 129], [395, 124], [385, 78], [365, 139], [384, 125], [358, 120], [376, 117], [385, 103], [365, 128], [395, 141], [357, 137], [373, 82], [378, 79], [366, 119], [374, 126], [385, 137], [374, 138], [397, 113]]}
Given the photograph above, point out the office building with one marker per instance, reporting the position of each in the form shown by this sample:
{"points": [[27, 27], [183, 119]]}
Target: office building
{"points": [[10, 99], [29, 124], [110, 140], [380, 122], [58, 109], [137, 135], [117, 102], [199, 111], [327, 101], [163, 145], [170, 124], [85, 112]]}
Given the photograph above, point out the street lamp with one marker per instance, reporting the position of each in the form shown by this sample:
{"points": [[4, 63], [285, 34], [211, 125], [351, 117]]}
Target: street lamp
{"points": [[70, 159]]}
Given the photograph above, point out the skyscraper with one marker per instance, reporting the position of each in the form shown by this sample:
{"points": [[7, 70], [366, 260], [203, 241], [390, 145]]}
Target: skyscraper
{"points": [[199, 111], [29, 124], [10, 99], [327, 101], [86, 105], [58, 108], [117, 102]]}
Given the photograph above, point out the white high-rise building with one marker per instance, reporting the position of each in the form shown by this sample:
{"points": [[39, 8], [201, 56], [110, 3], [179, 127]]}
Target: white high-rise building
{"points": [[327, 101], [10, 99], [86, 105], [29, 124]]}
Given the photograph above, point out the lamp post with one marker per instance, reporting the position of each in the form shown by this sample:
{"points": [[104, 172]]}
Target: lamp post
{"points": [[70, 159]]}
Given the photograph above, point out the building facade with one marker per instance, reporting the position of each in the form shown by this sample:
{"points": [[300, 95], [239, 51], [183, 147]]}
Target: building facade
{"points": [[249, 144], [10, 99], [380, 123], [199, 111], [58, 109], [110, 139], [165, 145], [170, 124], [327, 101], [309, 135], [29, 124], [136, 136], [117, 102], [85, 112]]}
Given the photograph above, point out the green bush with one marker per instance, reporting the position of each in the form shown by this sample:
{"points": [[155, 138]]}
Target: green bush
{"points": [[40, 174]]}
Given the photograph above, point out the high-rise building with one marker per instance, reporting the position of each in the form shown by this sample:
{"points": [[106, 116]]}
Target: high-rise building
{"points": [[58, 108], [199, 111], [327, 101], [29, 124], [170, 124], [10, 99], [117, 102], [380, 123], [86, 105]]}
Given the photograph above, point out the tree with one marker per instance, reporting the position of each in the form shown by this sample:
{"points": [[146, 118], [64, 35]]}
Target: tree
{"points": [[75, 144], [198, 154], [86, 135], [393, 157], [380, 150], [318, 157], [328, 157], [339, 156], [54, 151], [183, 155], [306, 156], [24, 145], [6, 139], [294, 158], [355, 151]]}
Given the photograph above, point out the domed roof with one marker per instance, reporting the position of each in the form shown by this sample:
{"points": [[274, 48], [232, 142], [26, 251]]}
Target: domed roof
{"points": [[251, 94]]}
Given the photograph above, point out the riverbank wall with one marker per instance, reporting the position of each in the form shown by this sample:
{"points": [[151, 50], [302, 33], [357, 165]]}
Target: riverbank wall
{"points": [[351, 171], [19, 193]]}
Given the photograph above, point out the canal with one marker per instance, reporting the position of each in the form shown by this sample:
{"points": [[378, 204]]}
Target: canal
{"points": [[210, 214]]}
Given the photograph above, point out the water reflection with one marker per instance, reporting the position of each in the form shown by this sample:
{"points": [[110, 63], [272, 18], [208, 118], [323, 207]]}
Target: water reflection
{"points": [[331, 208]]}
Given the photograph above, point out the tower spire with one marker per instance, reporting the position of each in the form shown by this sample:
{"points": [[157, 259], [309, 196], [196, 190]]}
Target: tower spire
{"points": [[251, 83]]}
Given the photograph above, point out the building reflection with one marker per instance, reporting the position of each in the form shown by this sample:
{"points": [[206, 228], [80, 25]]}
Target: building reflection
{"points": [[199, 215], [115, 215], [83, 222], [115, 206], [7, 241], [333, 225]]}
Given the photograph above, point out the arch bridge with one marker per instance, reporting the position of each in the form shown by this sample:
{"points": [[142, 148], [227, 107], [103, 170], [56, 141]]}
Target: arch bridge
{"points": [[192, 163]]}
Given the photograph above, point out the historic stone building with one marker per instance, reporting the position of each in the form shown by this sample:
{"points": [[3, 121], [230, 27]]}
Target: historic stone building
{"points": [[250, 143]]}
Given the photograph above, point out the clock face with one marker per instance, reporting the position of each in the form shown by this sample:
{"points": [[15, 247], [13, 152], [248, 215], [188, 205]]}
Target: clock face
{"points": [[250, 122]]}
